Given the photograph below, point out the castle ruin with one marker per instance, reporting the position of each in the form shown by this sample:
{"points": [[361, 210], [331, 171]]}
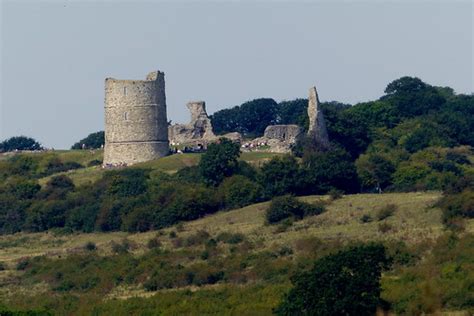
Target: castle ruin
{"points": [[199, 129], [317, 125], [136, 126]]}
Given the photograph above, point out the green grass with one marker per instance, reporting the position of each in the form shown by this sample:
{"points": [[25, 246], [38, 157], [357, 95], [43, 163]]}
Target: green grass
{"points": [[169, 164], [414, 221]]}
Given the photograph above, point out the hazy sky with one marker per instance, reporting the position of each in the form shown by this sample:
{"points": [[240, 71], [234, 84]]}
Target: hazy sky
{"points": [[55, 55]]}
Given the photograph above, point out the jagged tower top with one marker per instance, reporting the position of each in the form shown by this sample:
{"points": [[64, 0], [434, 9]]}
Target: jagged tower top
{"points": [[317, 125]]}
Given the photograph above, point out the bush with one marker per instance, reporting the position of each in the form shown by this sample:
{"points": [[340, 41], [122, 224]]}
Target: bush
{"points": [[127, 182], [121, 248], [230, 238], [335, 194], [280, 176], [365, 218], [23, 264], [384, 227], [322, 171], [456, 206], [345, 283], [238, 191], [153, 243], [288, 206], [90, 246], [386, 211], [198, 238], [94, 162], [219, 161]]}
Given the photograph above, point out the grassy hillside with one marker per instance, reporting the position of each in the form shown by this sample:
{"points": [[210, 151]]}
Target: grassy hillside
{"points": [[169, 164], [414, 221], [231, 262]]}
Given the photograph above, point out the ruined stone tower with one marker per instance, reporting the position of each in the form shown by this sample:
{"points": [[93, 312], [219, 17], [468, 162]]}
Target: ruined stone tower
{"points": [[317, 126], [136, 126], [199, 129]]}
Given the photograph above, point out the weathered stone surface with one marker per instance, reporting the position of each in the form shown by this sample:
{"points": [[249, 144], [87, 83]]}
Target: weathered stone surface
{"points": [[317, 126], [135, 120], [234, 136], [278, 138], [287, 133], [199, 129]]}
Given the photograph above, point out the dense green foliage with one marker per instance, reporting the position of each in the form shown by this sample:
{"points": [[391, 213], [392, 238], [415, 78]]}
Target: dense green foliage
{"points": [[19, 143], [345, 283], [92, 141], [250, 119], [415, 137], [219, 161], [287, 206], [444, 280]]}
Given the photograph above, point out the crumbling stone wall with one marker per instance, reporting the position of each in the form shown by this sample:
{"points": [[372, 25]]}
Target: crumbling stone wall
{"points": [[199, 129], [286, 133], [136, 126], [277, 138]]}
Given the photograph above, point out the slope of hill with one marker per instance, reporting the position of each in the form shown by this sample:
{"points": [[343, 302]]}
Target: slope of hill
{"points": [[169, 164], [254, 257]]}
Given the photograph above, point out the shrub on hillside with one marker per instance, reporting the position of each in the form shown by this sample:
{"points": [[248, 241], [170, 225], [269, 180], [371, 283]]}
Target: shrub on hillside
{"points": [[287, 206], [345, 283], [280, 175], [365, 219], [386, 211], [94, 162], [219, 161], [238, 191], [127, 182], [90, 246], [322, 171], [456, 206]]}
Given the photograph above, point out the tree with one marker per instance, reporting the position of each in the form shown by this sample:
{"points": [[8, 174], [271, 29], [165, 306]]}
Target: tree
{"points": [[239, 191], [219, 161], [280, 176], [286, 206], [92, 141], [250, 119], [413, 97], [345, 283], [19, 143], [294, 112], [405, 85], [375, 170], [326, 170]]}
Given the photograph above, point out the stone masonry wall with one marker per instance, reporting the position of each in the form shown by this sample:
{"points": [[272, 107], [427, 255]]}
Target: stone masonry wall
{"points": [[136, 126]]}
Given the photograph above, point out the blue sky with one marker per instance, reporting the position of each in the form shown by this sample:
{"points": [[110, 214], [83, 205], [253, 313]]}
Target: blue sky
{"points": [[55, 55]]}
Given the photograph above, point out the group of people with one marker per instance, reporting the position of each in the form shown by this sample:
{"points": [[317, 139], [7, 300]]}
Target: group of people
{"points": [[114, 165], [251, 146], [196, 149]]}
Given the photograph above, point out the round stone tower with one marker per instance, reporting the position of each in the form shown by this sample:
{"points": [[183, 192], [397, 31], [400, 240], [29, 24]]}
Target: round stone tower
{"points": [[136, 126]]}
